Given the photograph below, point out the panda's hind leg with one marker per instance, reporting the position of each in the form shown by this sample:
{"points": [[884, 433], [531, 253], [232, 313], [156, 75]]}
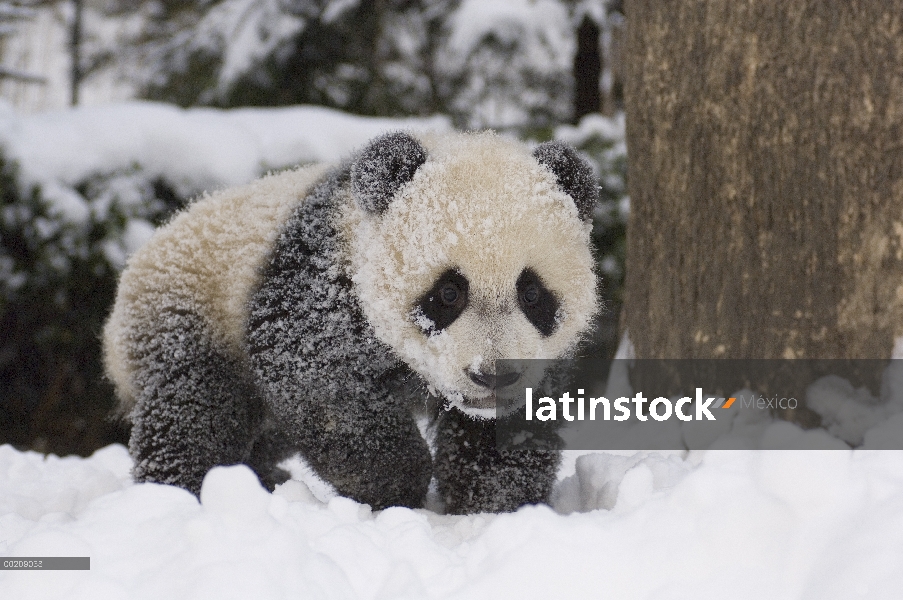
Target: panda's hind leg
{"points": [[195, 409]]}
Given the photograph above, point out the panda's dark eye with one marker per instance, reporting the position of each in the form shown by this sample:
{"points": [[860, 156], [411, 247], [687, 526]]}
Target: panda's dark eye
{"points": [[537, 303], [449, 293], [530, 295], [443, 303]]}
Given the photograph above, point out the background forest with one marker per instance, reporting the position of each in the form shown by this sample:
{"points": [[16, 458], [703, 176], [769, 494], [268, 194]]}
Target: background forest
{"points": [[535, 69]]}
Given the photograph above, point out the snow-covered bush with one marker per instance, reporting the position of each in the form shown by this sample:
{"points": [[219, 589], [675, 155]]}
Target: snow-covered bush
{"points": [[502, 64], [58, 272], [364, 57], [506, 64]]}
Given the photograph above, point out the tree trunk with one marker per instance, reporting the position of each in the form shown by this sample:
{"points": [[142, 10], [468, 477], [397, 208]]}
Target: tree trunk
{"points": [[75, 52], [765, 145], [587, 70]]}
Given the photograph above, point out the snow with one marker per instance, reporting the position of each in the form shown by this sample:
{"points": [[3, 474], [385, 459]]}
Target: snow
{"points": [[248, 31], [196, 149], [508, 20], [495, 46], [738, 524], [598, 126], [810, 524]]}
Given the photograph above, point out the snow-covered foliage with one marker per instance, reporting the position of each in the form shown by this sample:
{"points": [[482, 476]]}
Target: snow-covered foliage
{"points": [[500, 64], [507, 64], [504, 64], [340, 53], [216, 42]]}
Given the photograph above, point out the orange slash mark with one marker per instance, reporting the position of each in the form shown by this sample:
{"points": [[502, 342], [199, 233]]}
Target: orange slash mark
{"points": [[728, 403]]}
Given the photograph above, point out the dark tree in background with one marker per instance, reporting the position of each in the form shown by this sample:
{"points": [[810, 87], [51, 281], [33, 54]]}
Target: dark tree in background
{"points": [[587, 70], [765, 144]]}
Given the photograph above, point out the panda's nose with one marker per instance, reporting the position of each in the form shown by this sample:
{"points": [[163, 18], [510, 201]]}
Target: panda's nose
{"points": [[493, 382]]}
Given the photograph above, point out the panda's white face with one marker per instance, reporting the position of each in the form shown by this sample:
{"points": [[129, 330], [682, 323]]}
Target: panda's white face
{"points": [[479, 257]]}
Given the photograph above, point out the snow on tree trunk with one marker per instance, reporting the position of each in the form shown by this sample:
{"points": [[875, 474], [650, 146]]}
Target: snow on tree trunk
{"points": [[765, 145]]}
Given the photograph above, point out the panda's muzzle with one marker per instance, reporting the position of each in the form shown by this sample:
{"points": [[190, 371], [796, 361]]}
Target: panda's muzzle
{"points": [[493, 382]]}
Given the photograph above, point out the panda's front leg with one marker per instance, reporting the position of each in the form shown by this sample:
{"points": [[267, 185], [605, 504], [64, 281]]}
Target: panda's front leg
{"points": [[475, 476], [369, 450]]}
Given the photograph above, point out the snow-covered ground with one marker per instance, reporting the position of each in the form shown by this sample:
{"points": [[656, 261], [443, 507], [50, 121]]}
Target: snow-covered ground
{"points": [[723, 524], [739, 524]]}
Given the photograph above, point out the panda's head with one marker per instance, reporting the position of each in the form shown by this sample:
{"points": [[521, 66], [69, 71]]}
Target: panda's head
{"points": [[469, 248]]}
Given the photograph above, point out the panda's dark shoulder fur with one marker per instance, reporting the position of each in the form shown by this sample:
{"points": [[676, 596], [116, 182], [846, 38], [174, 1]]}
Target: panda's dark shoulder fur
{"points": [[306, 329], [306, 300]]}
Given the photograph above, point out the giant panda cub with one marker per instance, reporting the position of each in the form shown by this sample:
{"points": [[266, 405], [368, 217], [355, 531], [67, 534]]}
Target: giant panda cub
{"points": [[313, 310]]}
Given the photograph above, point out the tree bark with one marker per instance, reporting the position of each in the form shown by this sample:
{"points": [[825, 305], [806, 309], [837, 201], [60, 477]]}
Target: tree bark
{"points": [[765, 145]]}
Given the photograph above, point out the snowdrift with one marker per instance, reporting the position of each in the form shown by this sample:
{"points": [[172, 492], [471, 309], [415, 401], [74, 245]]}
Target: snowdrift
{"points": [[724, 524]]}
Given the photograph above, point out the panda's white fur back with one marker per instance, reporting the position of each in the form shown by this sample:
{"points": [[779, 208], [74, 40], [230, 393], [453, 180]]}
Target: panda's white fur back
{"points": [[207, 260]]}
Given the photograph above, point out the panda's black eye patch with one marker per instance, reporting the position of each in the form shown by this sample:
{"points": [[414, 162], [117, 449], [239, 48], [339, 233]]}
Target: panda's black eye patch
{"points": [[445, 301], [537, 303]]}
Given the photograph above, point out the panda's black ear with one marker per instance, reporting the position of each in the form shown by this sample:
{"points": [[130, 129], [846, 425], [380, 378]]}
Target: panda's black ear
{"points": [[383, 167], [574, 175]]}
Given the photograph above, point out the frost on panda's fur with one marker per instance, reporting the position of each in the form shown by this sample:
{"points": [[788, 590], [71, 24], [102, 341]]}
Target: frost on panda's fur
{"points": [[574, 176], [303, 336], [387, 163], [206, 262], [330, 381]]}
